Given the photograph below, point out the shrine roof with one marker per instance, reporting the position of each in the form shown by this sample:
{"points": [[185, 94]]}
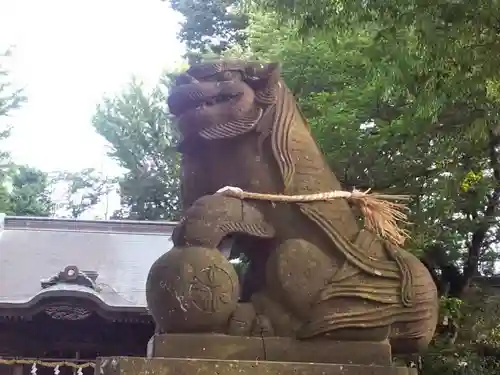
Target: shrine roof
{"points": [[116, 255]]}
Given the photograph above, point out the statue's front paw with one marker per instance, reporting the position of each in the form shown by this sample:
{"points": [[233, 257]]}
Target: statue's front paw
{"points": [[246, 322]]}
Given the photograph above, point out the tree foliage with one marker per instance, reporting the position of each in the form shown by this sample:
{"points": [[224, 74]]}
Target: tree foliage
{"points": [[30, 193], [392, 117], [81, 191], [23, 190], [403, 98], [10, 100], [139, 129], [210, 26]]}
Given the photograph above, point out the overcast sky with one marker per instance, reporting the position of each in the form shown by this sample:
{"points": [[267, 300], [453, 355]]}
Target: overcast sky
{"points": [[68, 54]]}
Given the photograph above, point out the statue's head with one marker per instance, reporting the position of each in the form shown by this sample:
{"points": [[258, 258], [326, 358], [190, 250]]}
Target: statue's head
{"points": [[222, 99]]}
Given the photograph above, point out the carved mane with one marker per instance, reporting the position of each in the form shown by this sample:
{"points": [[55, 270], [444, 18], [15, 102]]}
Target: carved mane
{"points": [[286, 111], [284, 119], [280, 136]]}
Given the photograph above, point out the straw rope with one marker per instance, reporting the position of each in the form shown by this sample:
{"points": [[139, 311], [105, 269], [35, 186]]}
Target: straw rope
{"points": [[380, 213]]}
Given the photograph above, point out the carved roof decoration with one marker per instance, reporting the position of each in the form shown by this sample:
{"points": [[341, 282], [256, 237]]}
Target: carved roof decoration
{"points": [[68, 312], [72, 275]]}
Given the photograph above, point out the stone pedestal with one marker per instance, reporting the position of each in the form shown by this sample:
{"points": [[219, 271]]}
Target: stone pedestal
{"points": [[275, 349], [208, 354], [176, 366]]}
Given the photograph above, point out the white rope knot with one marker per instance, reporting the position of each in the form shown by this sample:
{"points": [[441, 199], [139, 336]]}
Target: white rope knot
{"points": [[230, 190]]}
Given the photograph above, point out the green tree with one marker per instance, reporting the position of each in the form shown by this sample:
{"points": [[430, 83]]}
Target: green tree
{"points": [[402, 101], [139, 129], [398, 108], [29, 193], [210, 26], [82, 190], [10, 100], [390, 118], [24, 191]]}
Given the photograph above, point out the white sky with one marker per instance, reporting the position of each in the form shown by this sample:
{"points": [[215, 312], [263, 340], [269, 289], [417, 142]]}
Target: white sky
{"points": [[68, 54]]}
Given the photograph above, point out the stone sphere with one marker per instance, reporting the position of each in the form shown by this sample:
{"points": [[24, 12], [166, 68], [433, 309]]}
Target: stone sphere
{"points": [[192, 289]]}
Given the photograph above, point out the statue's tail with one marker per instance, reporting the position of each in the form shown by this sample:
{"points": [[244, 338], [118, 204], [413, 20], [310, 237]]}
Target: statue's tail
{"points": [[364, 302]]}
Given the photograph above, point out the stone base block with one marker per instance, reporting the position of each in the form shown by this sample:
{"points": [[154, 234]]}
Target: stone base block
{"points": [[277, 349], [176, 366]]}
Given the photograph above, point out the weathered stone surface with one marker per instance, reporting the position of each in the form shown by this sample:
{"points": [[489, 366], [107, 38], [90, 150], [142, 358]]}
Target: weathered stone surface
{"points": [[170, 366], [279, 349], [314, 272], [196, 289]]}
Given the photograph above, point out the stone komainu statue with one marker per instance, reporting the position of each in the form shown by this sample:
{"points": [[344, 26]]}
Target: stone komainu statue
{"points": [[313, 272]]}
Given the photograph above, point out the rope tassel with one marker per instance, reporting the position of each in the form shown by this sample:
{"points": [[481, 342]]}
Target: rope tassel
{"points": [[381, 214]]}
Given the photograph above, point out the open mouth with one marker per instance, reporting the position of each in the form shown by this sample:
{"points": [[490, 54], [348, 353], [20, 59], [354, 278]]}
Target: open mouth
{"points": [[193, 98], [222, 98]]}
